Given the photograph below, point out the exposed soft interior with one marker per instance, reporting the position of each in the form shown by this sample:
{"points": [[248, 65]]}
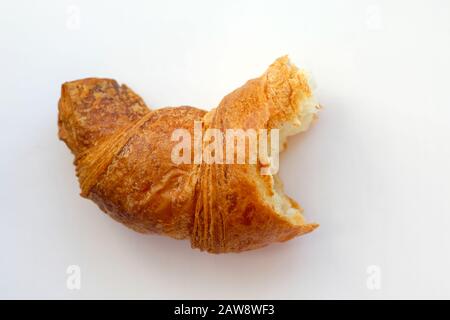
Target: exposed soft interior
{"points": [[300, 121], [307, 110]]}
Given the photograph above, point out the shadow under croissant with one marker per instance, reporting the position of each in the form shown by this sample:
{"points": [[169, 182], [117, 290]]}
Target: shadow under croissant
{"points": [[123, 161]]}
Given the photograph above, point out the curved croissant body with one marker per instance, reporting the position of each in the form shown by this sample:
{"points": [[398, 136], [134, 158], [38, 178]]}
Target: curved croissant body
{"points": [[123, 161]]}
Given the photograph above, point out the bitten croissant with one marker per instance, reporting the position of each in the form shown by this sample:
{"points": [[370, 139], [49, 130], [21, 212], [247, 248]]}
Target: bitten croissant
{"points": [[123, 161]]}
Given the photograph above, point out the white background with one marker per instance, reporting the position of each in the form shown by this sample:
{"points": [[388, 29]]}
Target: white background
{"points": [[373, 171]]}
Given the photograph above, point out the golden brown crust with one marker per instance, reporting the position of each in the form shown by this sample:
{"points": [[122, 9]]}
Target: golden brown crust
{"points": [[92, 109], [123, 159], [140, 186]]}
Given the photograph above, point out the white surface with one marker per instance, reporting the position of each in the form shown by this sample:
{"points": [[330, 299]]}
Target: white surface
{"points": [[374, 171]]}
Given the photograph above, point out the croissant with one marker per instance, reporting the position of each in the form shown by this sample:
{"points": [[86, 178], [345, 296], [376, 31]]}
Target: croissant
{"points": [[123, 161]]}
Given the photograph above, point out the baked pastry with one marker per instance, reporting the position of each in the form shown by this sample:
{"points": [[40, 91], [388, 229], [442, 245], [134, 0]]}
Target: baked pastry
{"points": [[123, 161]]}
